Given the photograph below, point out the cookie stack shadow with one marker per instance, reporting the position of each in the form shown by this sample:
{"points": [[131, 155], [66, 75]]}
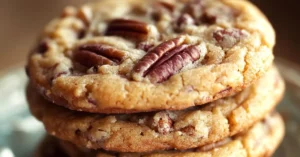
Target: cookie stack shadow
{"points": [[217, 108]]}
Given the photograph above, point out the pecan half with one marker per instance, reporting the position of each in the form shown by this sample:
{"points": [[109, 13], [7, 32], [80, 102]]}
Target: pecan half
{"points": [[227, 38], [128, 28], [97, 54], [149, 59], [166, 59]]}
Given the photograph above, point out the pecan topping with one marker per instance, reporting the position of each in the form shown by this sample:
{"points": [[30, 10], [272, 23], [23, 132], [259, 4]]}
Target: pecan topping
{"points": [[194, 13], [170, 7], [166, 59], [128, 28], [162, 8], [208, 19], [146, 46], [96, 54], [183, 21], [194, 8], [227, 38]]}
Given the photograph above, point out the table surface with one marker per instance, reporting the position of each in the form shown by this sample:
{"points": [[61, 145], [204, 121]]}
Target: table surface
{"points": [[21, 22]]}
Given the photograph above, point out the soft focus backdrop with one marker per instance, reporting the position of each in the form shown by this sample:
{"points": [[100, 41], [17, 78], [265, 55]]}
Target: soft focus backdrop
{"points": [[22, 20]]}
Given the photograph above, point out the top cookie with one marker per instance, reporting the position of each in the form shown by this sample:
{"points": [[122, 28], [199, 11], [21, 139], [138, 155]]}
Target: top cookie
{"points": [[134, 56]]}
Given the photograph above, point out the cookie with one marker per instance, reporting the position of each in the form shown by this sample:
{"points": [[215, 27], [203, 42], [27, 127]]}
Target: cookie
{"points": [[138, 56], [146, 132], [260, 141]]}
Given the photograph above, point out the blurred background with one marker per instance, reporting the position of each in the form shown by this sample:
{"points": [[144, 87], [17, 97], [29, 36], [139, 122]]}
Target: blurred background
{"points": [[22, 20]]}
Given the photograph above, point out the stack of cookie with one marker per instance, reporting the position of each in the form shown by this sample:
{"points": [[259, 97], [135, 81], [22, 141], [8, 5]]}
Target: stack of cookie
{"points": [[151, 78]]}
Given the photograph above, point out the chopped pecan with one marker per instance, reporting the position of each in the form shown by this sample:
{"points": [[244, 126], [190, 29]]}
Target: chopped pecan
{"points": [[162, 122], [144, 46], [194, 8], [227, 38], [43, 47], [97, 54], [166, 59], [81, 34], [183, 21], [128, 28], [217, 15], [189, 130], [208, 19], [170, 7], [97, 135], [59, 70], [162, 8], [91, 100]]}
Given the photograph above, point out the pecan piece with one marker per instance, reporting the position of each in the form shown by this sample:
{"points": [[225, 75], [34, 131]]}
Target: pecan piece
{"points": [[189, 130], [43, 47], [81, 34], [194, 8], [162, 123], [162, 8], [146, 62], [208, 19], [97, 54], [183, 21], [146, 46], [227, 38], [170, 7], [166, 59], [128, 28]]}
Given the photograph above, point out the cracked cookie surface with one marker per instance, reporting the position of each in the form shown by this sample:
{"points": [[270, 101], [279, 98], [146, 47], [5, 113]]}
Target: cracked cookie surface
{"points": [[164, 130], [140, 56], [261, 140]]}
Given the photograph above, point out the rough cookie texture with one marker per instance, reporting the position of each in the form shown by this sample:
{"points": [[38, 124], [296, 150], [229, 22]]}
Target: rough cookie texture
{"points": [[146, 55], [259, 141], [146, 132]]}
